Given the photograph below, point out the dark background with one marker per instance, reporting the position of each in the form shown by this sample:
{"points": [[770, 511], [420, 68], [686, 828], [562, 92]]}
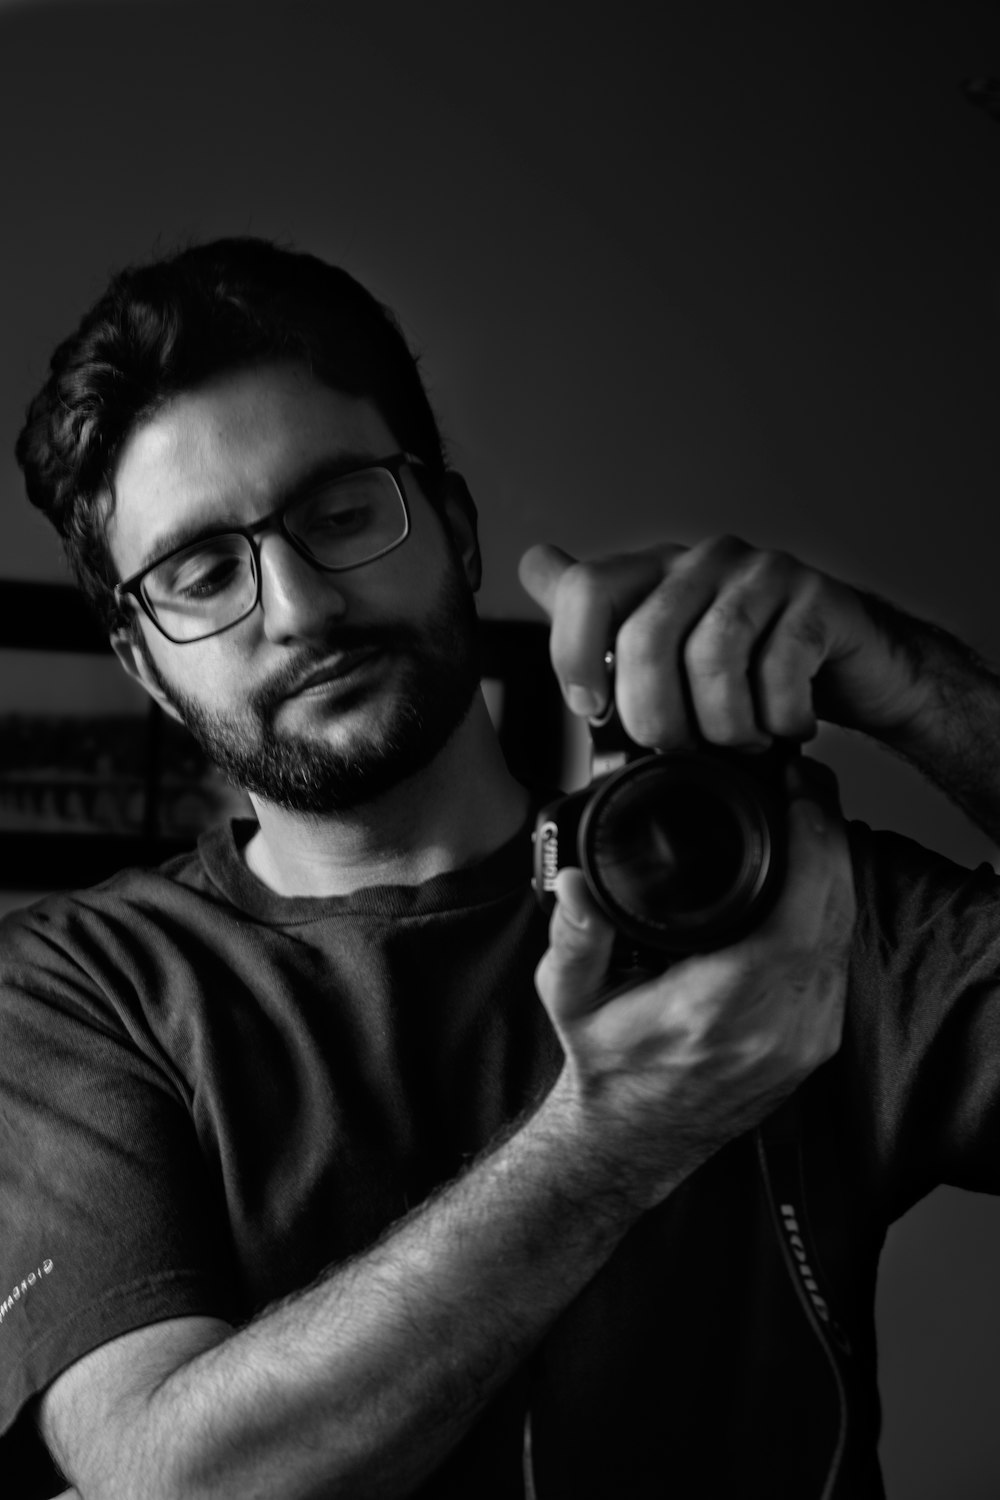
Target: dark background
{"points": [[673, 269]]}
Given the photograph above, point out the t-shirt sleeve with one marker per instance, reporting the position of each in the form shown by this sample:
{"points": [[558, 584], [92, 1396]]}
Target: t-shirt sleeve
{"points": [[922, 1037], [107, 1218]]}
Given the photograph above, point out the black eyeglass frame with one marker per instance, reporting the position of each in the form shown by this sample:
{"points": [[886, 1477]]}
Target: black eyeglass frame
{"points": [[131, 587]]}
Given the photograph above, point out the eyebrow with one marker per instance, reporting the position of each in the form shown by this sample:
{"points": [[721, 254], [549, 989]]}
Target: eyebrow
{"points": [[187, 533]]}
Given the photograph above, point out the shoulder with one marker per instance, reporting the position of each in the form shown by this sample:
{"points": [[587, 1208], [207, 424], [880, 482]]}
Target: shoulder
{"points": [[105, 955], [919, 1067], [908, 894], [182, 883], [924, 990]]}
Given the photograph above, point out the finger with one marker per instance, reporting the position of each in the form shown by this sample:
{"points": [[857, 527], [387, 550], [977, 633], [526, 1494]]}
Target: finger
{"points": [[654, 684], [587, 603], [720, 651], [581, 628], [540, 570], [786, 669], [574, 969]]}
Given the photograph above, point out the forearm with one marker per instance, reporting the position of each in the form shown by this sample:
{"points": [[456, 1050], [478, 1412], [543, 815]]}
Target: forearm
{"points": [[952, 729], [363, 1384]]}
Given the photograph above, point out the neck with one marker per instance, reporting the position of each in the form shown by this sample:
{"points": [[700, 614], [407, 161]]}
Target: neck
{"points": [[461, 807]]}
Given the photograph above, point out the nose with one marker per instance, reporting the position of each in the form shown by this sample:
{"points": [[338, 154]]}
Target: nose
{"points": [[297, 600]]}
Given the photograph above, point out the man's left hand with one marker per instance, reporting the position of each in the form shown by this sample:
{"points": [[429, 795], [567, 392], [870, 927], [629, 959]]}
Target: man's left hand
{"points": [[723, 640]]}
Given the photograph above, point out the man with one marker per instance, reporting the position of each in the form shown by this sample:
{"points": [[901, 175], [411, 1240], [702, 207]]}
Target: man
{"points": [[303, 1191]]}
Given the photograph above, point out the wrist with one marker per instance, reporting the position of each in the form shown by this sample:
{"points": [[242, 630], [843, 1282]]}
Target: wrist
{"points": [[617, 1153]]}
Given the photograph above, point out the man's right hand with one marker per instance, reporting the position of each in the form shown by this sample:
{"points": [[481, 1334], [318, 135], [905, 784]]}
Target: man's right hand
{"points": [[668, 1070]]}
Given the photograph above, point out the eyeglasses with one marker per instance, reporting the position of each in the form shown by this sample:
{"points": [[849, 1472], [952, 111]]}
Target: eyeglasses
{"points": [[207, 586]]}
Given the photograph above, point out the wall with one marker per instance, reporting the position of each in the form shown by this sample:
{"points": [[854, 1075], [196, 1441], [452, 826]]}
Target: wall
{"points": [[674, 271]]}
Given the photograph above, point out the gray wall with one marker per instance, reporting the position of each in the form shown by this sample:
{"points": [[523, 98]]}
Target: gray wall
{"points": [[674, 270]]}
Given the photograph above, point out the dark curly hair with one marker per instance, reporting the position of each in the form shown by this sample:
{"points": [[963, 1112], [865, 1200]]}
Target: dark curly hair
{"points": [[164, 328]]}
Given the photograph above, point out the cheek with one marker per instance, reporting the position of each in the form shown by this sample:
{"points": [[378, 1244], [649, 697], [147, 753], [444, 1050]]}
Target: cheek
{"points": [[200, 673], [419, 577]]}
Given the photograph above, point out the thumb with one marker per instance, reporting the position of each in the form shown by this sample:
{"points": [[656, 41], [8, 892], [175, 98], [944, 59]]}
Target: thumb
{"points": [[572, 976], [540, 570]]}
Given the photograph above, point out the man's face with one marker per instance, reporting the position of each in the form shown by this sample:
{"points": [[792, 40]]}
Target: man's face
{"points": [[394, 641]]}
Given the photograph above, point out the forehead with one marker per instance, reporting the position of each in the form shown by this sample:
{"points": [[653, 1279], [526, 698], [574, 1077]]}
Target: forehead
{"points": [[227, 450]]}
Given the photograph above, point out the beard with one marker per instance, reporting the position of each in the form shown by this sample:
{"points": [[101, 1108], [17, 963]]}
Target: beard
{"points": [[439, 674]]}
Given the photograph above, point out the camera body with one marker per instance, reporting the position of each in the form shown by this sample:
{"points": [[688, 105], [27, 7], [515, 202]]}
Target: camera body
{"points": [[685, 851]]}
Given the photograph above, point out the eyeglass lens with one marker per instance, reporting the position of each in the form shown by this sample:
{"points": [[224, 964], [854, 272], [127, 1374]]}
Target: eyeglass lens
{"points": [[212, 584]]}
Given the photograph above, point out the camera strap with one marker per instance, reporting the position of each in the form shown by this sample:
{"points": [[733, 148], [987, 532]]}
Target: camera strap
{"points": [[779, 1156]]}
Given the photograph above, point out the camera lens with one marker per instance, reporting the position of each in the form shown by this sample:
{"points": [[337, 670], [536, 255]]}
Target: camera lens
{"points": [[680, 850]]}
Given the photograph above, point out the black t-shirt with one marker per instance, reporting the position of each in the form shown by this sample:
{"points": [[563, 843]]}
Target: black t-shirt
{"points": [[209, 1094]]}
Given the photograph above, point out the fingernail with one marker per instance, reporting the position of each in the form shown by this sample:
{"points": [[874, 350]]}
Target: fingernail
{"points": [[583, 701]]}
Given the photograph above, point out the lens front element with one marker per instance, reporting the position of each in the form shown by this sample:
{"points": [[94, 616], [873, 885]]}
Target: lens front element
{"points": [[682, 850]]}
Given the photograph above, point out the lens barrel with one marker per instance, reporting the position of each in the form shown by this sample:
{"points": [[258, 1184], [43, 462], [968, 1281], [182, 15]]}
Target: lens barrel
{"points": [[685, 851]]}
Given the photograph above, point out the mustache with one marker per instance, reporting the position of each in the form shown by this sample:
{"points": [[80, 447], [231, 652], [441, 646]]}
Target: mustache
{"points": [[268, 695]]}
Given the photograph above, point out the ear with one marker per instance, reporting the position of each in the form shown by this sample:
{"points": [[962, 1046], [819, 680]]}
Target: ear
{"points": [[132, 657], [458, 511]]}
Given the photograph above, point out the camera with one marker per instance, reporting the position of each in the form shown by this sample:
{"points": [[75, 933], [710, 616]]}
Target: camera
{"points": [[684, 850]]}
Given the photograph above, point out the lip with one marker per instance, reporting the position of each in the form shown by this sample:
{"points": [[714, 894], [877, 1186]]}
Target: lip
{"points": [[333, 672]]}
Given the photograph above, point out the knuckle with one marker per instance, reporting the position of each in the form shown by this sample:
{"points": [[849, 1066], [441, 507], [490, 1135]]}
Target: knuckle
{"points": [[578, 578], [722, 638], [643, 644], [566, 942], [770, 580], [812, 587], [715, 551], [805, 627], [731, 615], [763, 577], [543, 974], [578, 591], [776, 560], [709, 653], [762, 567]]}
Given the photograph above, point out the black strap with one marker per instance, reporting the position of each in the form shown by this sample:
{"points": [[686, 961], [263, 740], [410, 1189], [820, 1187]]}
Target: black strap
{"points": [[779, 1155]]}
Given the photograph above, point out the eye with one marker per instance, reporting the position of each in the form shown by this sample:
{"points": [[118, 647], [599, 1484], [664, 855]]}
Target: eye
{"points": [[206, 577], [341, 511], [340, 518], [351, 519], [201, 573]]}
